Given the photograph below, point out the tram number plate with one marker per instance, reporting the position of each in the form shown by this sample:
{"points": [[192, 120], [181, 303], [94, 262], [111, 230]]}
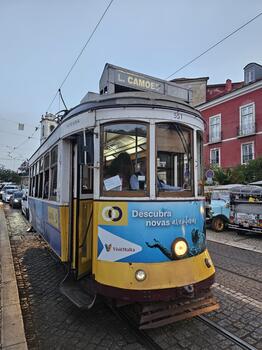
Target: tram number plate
{"points": [[178, 115]]}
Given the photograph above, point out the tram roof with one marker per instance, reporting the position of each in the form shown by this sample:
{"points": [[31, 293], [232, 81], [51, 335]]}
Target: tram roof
{"points": [[131, 99], [123, 88]]}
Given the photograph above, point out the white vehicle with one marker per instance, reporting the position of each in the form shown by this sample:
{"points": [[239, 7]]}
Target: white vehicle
{"points": [[24, 204], [4, 186], [7, 194]]}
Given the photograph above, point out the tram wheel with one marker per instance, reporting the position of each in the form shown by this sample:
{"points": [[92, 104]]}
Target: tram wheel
{"points": [[218, 224]]}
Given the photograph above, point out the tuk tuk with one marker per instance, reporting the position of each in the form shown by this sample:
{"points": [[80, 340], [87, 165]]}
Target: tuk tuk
{"points": [[246, 208]]}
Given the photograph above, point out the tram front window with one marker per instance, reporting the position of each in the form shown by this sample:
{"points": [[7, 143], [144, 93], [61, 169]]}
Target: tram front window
{"points": [[124, 151], [174, 158]]}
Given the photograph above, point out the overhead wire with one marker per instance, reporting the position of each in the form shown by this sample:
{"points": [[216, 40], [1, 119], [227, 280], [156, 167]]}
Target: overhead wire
{"points": [[214, 45], [80, 54], [66, 77], [14, 133], [16, 122]]}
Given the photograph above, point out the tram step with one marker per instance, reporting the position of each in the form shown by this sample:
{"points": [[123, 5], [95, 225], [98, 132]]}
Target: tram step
{"points": [[166, 313], [75, 292]]}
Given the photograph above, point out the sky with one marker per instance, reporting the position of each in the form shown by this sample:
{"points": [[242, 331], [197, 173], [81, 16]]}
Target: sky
{"points": [[40, 41]]}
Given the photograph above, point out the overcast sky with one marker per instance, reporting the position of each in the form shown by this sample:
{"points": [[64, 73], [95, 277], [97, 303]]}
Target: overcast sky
{"points": [[41, 39]]}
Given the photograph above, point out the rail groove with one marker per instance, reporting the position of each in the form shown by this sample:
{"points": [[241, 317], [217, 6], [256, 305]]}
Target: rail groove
{"points": [[140, 335], [236, 340], [238, 274]]}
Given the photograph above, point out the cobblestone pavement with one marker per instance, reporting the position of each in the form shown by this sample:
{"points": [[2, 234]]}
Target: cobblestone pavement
{"points": [[52, 322]]}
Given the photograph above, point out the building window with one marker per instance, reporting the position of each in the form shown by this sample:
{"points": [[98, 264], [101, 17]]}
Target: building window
{"points": [[247, 152], [215, 156], [215, 128], [247, 119], [249, 76]]}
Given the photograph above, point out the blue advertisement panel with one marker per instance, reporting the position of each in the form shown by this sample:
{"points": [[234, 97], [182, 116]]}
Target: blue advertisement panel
{"points": [[46, 220], [144, 232]]}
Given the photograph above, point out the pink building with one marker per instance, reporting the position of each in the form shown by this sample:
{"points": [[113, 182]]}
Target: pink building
{"points": [[233, 115]]}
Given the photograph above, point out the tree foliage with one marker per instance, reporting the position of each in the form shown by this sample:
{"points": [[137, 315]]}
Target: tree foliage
{"points": [[242, 174], [7, 175]]}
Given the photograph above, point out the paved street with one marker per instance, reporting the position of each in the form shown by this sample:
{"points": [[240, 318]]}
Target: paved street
{"points": [[249, 241], [52, 322]]}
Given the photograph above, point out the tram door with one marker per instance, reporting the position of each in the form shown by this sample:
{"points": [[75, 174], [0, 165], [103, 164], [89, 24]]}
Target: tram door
{"points": [[83, 204]]}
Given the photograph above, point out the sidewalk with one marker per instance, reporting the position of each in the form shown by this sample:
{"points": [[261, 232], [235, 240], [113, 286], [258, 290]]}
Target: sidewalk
{"points": [[11, 321]]}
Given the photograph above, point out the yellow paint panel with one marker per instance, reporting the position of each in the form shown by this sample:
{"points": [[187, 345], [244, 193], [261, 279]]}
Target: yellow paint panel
{"points": [[112, 213], [159, 275], [64, 222], [85, 237], [53, 216]]}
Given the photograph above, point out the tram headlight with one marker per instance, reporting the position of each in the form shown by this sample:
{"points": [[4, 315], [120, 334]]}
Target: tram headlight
{"points": [[180, 247], [140, 275]]}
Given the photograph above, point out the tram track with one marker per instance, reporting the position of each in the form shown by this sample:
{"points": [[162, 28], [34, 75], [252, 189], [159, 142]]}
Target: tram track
{"points": [[238, 274], [140, 334], [236, 340], [150, 344]]}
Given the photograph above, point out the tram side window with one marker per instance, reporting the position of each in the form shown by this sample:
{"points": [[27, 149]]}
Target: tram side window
{"points": [[124, 159], [53, 168], [41, 176], [53, 189], [86, 157], [31, 181], [36, 179], [174, 159], [46, 176]]}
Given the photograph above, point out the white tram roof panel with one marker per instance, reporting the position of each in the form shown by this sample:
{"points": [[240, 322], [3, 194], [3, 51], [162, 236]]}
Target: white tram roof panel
{"points": [[117, 79]]}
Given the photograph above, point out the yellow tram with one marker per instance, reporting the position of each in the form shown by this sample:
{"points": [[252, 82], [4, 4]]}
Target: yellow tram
{"points": [[115, 189]]}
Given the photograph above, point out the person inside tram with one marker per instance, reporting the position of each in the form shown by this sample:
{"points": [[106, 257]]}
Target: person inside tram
{"points": [[165, 187], [123, 167]]}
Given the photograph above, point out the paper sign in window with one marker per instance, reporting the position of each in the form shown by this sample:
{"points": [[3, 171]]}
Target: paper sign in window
{"points": [[113, 182]]}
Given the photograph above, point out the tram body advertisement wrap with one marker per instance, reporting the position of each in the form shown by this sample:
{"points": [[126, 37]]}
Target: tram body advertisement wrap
{"points": [[137, 232]]}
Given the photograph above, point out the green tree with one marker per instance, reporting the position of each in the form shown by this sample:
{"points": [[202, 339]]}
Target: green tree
{"points": [[7, 175], [241, 174]]}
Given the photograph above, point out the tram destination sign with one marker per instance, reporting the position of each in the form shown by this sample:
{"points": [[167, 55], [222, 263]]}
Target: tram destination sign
{"points": [[138, 82], [113, 77]]}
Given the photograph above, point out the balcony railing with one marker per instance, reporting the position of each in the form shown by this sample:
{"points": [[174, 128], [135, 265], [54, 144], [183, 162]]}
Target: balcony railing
{"points": [[246, 130]]}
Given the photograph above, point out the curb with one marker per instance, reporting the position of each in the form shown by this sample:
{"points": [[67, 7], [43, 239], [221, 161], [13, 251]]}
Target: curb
{"points": [[12, 325]]}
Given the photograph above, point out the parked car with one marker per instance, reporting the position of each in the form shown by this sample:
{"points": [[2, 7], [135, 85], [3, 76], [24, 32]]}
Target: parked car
{"points": [[7, 194], [5, 187], [16, 198], [24, 204]]}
